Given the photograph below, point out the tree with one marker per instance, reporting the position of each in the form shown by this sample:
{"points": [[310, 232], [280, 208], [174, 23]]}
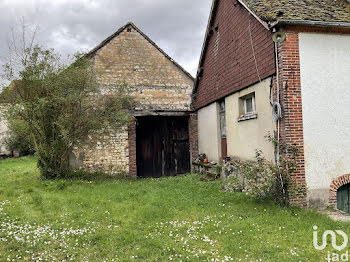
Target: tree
{"points": [[61, 104]]}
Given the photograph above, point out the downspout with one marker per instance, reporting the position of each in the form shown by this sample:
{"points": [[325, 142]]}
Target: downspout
{"points": [[278, 101], [279, 119], [277, 106]]}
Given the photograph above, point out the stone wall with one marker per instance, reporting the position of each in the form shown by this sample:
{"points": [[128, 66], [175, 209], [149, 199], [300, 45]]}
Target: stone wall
{"points": [[132, 147], [3, 133], [108, 152], [156, 82]]}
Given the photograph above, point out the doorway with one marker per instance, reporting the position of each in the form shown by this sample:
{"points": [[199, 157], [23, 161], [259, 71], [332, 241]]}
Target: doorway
{"points": [[343, 198], [222, 119], [162, 146]]}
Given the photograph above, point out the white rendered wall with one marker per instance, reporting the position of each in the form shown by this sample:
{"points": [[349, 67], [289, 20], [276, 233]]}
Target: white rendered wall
{"points": [[209, 132], [246, 137], [325, 86]]}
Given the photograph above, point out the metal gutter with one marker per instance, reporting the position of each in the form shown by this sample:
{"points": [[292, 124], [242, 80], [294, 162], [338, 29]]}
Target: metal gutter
{"points": [[310, 23]]}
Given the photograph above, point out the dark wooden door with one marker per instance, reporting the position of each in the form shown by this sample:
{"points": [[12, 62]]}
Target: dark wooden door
{"points": [[343, 198], [149, 148], [222, 116], [162, 146], [181, 158]]}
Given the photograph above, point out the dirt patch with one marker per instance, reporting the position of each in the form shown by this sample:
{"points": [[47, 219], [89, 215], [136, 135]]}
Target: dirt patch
{"points": [[337, 215]]}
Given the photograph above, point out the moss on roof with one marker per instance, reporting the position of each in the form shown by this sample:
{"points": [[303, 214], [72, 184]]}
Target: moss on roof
{"points": [[313, 10]]}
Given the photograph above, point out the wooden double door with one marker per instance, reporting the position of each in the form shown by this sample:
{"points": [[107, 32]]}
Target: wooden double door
{"points": [[343, 198], [162, 146]]}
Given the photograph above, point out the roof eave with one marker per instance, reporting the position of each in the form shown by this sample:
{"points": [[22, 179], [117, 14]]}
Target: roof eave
{"points": [[310, 23], [213, 6], [254, 15]]}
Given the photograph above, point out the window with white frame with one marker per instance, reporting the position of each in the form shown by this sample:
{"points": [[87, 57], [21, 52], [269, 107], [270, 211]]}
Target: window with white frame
{"points": [[247, 107]]}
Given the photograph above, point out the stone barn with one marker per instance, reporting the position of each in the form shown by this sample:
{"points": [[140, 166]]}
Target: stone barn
{"points": [[157, 141]]}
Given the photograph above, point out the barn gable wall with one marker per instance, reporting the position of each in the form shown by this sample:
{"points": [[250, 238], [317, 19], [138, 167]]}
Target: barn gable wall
{"points": [[157, 84]]}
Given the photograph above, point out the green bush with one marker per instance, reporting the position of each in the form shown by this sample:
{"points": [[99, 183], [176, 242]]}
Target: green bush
{"points": [[19, 138]]}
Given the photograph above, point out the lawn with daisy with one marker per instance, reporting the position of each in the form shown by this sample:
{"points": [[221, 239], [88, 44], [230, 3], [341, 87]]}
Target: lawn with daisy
{"points": [[168, 219]]}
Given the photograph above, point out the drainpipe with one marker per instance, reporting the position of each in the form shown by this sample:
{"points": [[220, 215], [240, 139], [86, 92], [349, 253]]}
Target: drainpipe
{"points": [[278, 101], [279, 115]]}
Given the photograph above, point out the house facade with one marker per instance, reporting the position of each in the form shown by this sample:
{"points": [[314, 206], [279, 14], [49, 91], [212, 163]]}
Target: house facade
{"points": [[261, 56], [157, 141], [235, 76]]}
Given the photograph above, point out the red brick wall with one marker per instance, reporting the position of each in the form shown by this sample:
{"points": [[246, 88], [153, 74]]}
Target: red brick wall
{"points": [[291, 126], [193, 132], [228, 63], [132, 147]]}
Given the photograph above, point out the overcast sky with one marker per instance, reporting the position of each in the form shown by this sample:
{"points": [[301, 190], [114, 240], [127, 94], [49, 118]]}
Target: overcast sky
{"points": [[177, 26]]}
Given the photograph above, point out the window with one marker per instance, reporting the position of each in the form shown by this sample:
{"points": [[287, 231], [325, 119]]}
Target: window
{"points": [[247, 107]]}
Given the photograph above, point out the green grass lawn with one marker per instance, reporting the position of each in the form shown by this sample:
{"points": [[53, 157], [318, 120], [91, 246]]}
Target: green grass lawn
{"points": [[170, 219]]}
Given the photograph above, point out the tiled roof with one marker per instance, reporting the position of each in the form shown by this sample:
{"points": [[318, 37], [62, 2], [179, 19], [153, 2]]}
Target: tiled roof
{"points": [[311, 10]]}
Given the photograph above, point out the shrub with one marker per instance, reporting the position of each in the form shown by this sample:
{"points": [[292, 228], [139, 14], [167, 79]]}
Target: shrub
{"points": [[262, 178], [19, 138]]}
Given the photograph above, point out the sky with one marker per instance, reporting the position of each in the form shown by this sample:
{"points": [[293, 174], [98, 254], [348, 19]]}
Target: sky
{"points": [[68, 26]]}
